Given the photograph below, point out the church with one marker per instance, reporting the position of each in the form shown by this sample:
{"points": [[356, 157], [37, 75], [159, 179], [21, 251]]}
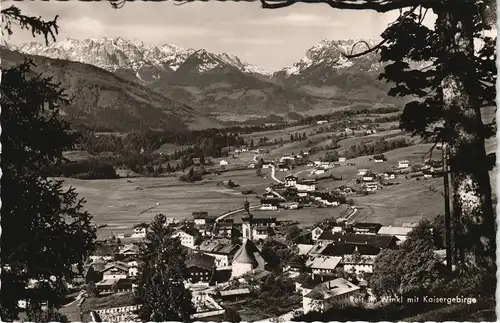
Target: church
{"points": [[248, 258]]}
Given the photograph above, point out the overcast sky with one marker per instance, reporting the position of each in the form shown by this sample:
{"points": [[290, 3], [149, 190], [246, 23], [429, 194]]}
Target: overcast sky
{"points": [[271, 39]]}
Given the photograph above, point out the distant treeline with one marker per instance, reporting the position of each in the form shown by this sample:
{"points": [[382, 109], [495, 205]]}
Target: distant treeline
{"points": [[92, 168], [366, 149]]}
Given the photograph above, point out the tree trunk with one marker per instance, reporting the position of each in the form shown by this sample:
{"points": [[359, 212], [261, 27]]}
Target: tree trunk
{"points": [[472, 201]]}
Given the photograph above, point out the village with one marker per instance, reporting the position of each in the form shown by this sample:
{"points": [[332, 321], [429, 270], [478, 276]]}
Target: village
{"points": [[226, 261]]}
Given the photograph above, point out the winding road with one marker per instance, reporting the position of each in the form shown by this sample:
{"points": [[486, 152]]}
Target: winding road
{"points": [[222, 216]]}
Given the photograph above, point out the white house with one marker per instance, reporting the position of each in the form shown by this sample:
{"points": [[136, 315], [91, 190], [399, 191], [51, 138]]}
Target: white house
{"points": [[403, 164], [316, 233], [265, 166], [323, 296], [223, 163], [290, 181], [268, 207], [368, 178], [342, 159], [362, 171], [389, 175], [323, 265], [320, 122], [188, 237], [306, 186], [319, 171], [286, 157], [133, 268], [358, 263], [370, 187], [140, 231]]}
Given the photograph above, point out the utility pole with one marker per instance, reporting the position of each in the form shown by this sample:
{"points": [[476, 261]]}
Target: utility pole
{"points": [[447, 216]]}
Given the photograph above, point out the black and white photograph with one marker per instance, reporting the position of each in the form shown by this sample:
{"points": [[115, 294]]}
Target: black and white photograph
{"points": [[248, 161]]}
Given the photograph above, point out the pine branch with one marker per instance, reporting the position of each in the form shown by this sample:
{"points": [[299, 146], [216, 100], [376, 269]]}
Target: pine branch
{"points": [[36, 24]]}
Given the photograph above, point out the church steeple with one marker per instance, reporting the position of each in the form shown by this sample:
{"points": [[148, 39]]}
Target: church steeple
{"points": [[247, 221]]}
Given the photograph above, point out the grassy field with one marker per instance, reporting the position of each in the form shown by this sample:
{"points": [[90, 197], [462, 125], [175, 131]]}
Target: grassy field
{"points": [[120, 204]]}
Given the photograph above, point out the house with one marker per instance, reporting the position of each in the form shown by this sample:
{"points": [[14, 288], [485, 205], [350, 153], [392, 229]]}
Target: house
{"points": [[189, 237], [379, 158], [399, 232], [223, 228], [360, 264], [119, 285], [262, 232], [370, 187], [389, 175], [403, 164], [247, 259], [368, 177], [342, 159], [316, 233], [133, 268], [221, 249], [290, 180], [319, 171], [323, 265], [140, 230], [115, 270], [349, 131], [304, 249], [286, 157], [129, 250], [251, 166], [223, 163], [283, 168], [202, 218], [268, 207], [234, 295], [320, 122], [306, 186], [200, 268], [379, 241], [325, 295], [265, 166], [362, 171]]}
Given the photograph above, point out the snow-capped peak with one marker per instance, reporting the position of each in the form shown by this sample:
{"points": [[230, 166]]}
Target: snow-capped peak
{"points": [[329, 52]]}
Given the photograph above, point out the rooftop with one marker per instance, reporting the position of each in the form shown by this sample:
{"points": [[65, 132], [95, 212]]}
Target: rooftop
{"points": [[324, 262], [379, 241], [331, 289], [396, 231], [248, 254], [200, 260]]}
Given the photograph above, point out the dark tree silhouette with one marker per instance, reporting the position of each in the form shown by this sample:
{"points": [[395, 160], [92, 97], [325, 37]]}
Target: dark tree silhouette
{"points": [[44, 229], [161, 290]]}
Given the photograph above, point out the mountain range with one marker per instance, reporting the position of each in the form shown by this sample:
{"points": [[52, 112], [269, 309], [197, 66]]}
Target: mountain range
{"points": [[222, 84]]}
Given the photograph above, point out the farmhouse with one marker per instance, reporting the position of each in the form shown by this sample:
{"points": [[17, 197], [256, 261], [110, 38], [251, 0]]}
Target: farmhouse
{"points": [[140, 230], [325, 295], [221, 249], [362, 171], [323, 265], [283, 168], [129, 250], [268, 207], [290, 180], [368, 177], [403, 164], [306, 186], [189, 237], [262, 232], [320, 122], [200, 268], [286, 157], [389, 175], [371, 186], [234, 295], [202, 218], [360, 264], [342, 159], [223, 163], [379, 158], [399, 232], [113, 271], [119, 285]]}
